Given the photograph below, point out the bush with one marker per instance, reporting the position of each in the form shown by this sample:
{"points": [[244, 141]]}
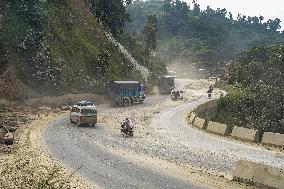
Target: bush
{"points": [[257, 107]]}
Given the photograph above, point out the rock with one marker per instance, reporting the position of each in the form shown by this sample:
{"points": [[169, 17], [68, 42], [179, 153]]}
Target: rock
{"points": [[56, 110], [13, 123], [65, 108], [8, 139], [45, 109], [12, 129], [24, 119]]}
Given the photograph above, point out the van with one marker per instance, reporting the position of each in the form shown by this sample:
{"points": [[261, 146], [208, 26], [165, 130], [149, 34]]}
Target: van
{"points": [[83, 115]]}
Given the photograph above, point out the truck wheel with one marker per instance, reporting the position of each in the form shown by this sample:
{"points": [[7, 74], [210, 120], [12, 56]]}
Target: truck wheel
{"points": [[120, 103], [125, 103], [129, 103]]}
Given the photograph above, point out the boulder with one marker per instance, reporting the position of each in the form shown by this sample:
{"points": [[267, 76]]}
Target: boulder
{"points": [[8, 139]]}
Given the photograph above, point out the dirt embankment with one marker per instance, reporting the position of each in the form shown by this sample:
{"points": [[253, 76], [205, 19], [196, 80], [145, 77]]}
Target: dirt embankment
{"points": [[25, 163], [53, 101]]}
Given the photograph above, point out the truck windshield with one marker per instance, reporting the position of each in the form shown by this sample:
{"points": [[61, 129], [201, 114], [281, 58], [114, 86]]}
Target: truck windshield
{"points": [[88, 111]]}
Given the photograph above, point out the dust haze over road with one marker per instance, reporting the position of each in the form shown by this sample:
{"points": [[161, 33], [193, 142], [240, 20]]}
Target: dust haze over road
{"points": [[163, 152]]}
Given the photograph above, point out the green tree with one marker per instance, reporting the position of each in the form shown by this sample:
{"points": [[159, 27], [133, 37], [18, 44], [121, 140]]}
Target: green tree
{"points": [[111, 13], [150, 33], [196, 8], [274, 25]]}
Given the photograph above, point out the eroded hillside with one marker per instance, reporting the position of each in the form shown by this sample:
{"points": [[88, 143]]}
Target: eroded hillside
{"points": [[55, 47]]}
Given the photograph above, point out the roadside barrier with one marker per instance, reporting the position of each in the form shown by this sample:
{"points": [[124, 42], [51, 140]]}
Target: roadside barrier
{"points": [[246, 134], [218, 128], [260, 175], [203, 114], [274, 139], [191, 117], [199, 122]]}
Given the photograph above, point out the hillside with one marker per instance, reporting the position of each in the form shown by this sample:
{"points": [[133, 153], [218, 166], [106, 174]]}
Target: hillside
{"points": [[206, 36], [55, 47]]}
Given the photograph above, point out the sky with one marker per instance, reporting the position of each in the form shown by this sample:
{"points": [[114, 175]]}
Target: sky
{"points": [[269, 9]]}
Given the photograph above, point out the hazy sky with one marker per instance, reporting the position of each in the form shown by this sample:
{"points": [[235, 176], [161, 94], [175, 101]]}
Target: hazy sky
{"points": [[269, 9]]}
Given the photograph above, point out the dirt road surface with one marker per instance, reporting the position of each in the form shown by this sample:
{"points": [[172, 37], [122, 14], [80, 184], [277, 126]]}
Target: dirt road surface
{"points": [[164, 152]]}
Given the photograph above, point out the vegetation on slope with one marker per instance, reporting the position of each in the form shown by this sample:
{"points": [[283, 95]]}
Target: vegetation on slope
{"points": [[257, 99], [58, 46], [184, 30]]}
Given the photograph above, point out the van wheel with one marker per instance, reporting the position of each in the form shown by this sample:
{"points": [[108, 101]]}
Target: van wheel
{"points": [[125, 103], [78, 123]]}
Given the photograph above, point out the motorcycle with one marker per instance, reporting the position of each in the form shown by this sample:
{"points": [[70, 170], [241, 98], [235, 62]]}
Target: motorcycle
{"points": [[128, 131], [209, 95], [209, 92]]}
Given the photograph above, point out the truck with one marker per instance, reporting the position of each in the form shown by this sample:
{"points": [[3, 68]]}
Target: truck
{"points": [[125, 93], [166, 84]]}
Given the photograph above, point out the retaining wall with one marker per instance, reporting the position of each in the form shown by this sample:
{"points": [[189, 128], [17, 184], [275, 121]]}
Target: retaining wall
{"points": [[199, 122], [207, 110], [259, 174], [274, 139], [246, 134], [204, 112], [218, 128]]}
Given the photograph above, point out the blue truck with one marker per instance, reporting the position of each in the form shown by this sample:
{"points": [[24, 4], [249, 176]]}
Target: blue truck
{"points": [[125, 93]]}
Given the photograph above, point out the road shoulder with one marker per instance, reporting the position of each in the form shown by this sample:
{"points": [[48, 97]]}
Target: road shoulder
{"points": [[31, 165]]}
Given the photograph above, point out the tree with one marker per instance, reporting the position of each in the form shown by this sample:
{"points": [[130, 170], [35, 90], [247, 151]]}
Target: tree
{"points": [[196, 8], [111, 13], [274, 25], [261, 18], [150, 33]]}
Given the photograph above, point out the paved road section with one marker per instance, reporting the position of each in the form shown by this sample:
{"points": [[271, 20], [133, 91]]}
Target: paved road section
{"points": [[206, 151], [104, 156], [75, 147]]}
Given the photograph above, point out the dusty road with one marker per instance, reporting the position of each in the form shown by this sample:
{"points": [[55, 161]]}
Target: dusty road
{"points": [[164, 153]]}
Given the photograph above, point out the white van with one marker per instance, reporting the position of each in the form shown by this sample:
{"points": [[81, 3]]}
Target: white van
{"points": [[83, 115]]}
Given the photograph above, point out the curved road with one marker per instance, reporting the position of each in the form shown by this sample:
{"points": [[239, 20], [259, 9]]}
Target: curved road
{"points": [[207, 151], [82, 149], [103, 156]]}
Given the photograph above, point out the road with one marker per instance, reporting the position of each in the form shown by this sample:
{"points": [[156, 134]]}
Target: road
{"points": [[162, 152]]}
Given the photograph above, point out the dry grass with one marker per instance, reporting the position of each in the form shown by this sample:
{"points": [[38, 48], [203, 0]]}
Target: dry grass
{"points": [[54, 101], [24, 174]]}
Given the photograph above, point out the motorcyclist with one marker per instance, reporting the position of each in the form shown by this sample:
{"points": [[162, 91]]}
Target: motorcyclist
{"points": [[126, 124], [210, 90]]}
